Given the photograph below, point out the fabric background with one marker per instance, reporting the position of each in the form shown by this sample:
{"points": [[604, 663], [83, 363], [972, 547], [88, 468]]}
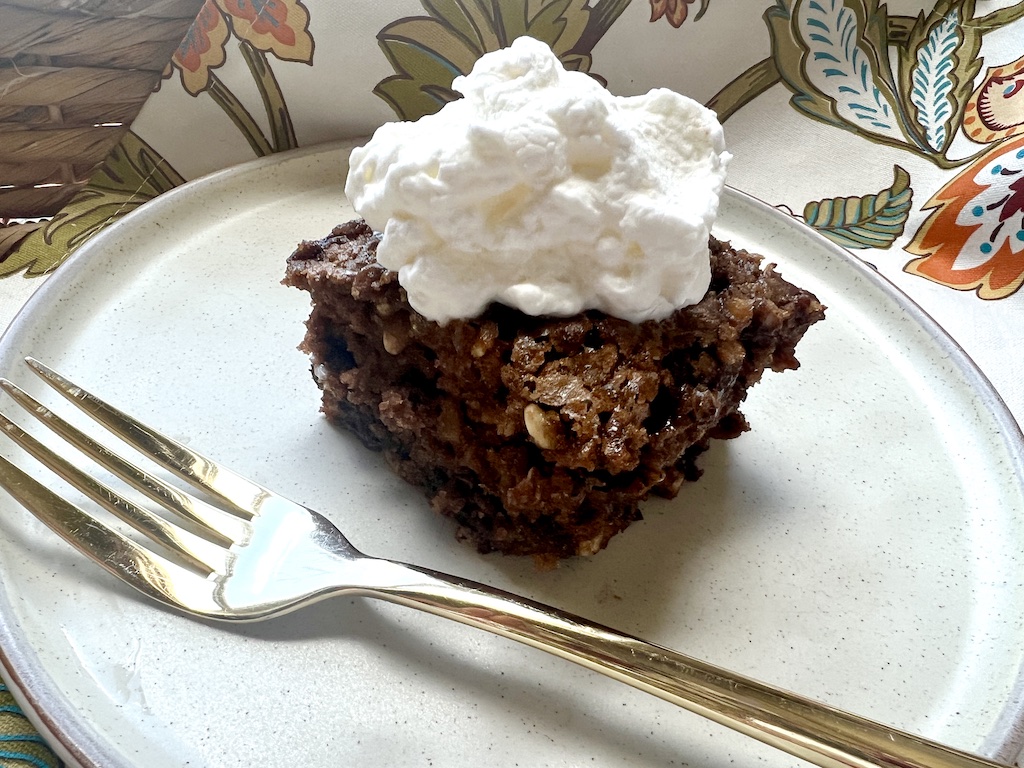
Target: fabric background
{"points": [[897, 131]]}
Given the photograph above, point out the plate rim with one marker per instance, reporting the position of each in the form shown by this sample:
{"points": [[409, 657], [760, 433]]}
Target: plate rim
{"points": [[79, 746]]}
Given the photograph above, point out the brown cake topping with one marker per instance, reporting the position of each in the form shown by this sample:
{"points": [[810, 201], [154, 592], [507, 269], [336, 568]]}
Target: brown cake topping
{"points": [[540, 435]]}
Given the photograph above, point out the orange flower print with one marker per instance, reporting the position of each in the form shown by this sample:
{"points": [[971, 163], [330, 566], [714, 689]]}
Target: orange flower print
{"points": [[974, 237], [202, 49], [280, 27], [673, 10], [995, 110]]}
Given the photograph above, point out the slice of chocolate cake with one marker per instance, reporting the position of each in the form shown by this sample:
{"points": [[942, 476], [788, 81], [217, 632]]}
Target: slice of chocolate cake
{"points": [[538, 435]]}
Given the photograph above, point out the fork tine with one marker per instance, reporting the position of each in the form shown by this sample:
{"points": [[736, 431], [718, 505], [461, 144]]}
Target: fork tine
{"points": [[147, 571], [194, 550], [240, 494], [224, 528]]}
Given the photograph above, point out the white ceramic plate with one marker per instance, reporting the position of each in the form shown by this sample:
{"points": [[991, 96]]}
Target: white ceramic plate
{"points": [[862, 545]]}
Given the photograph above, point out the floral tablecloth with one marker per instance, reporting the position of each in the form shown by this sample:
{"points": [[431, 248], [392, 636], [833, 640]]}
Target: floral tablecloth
{"points": [[895, 130]]}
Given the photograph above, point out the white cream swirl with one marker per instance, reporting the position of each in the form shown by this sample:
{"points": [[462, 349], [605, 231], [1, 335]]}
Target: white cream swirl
{"points": [[544, 192]]}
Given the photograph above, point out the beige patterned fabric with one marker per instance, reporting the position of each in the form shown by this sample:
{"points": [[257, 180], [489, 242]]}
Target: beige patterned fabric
{"points": [[896, 131]]}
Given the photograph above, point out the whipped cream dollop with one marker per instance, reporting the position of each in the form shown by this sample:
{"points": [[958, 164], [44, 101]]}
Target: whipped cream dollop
{"points": [[541, 190]]}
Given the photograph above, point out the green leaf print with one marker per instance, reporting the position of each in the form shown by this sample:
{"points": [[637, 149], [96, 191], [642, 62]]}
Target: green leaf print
{"points": [[132, 175], [872, 221], [428, 52], [135, 168], [999, 18]]}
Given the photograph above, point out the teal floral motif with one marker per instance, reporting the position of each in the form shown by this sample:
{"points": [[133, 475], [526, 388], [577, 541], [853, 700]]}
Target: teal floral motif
{"points": [[847, 66], [871, 221], [937, 69], [932, 85], [834, 56]]}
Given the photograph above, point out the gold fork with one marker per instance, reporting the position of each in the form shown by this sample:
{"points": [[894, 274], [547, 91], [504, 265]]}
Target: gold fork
{"points": [[261, 555]]}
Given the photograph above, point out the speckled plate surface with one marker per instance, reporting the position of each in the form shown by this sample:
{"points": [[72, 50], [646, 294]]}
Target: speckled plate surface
{"points": [[862, 544]]}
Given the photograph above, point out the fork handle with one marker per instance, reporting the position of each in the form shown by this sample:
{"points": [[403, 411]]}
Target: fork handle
{"points": [[812, 731]]}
